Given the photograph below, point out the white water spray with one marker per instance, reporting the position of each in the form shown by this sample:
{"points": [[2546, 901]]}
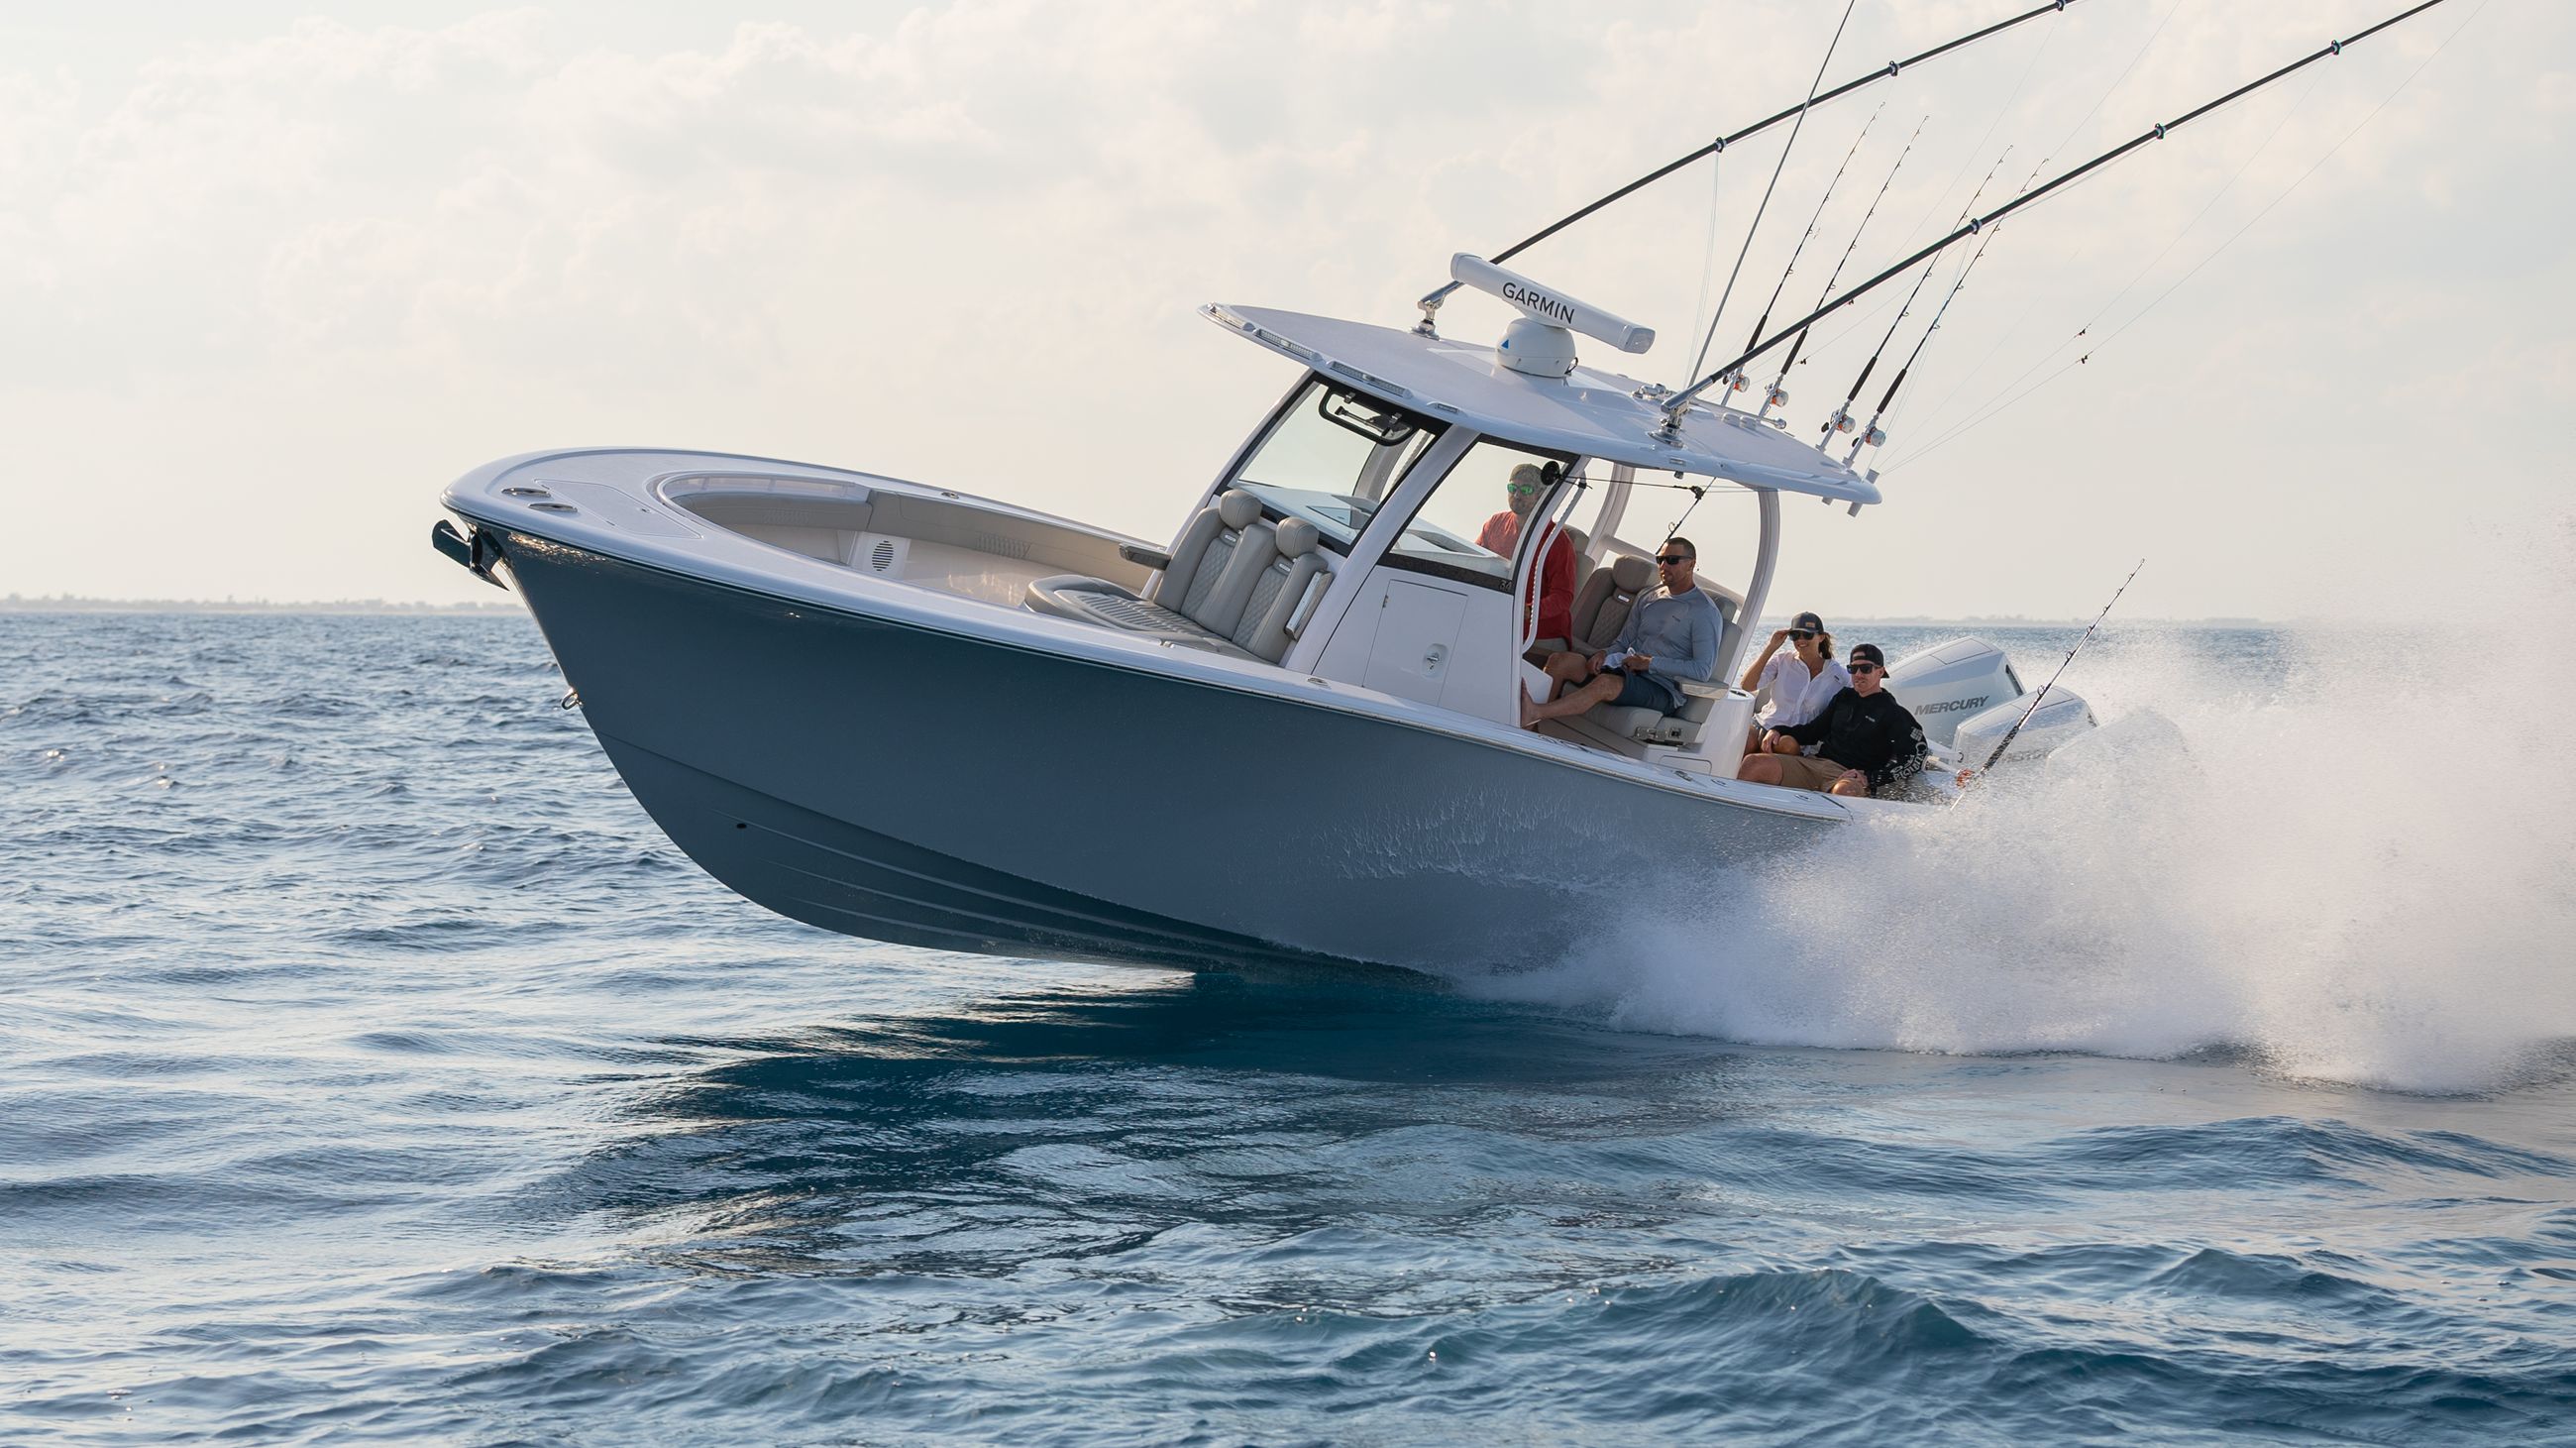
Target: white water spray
{"points": [[2364, 871]]}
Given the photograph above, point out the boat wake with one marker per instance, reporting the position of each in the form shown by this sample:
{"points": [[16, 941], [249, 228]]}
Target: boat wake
{"points": [[2335, 887]]}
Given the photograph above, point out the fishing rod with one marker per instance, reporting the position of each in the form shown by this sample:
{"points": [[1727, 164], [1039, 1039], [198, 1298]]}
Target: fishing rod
{"points": [[1842, 415], [2037, 699], [1775, 395], [1678, 402], [1808, 235], [1776, 168], [1431, 301], [1871, 435]]}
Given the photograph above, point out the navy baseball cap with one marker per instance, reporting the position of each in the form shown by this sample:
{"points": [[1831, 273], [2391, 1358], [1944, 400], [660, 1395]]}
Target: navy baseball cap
{"points": [[1870, 653], [1807, 623]]}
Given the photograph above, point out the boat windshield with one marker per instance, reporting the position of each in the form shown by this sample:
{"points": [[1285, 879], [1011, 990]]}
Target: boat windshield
{"points": [[1470, 527], [1331, 457]]}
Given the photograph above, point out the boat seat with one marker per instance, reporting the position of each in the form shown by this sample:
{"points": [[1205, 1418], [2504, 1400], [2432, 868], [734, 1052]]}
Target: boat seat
{"points": [[1652, 726], [1270, 621], [1205, 592], [1699, 701], [1601, 605]]}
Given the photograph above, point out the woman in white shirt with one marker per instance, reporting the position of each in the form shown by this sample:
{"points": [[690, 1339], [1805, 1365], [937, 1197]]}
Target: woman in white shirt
{"points": [[1794, 687]]}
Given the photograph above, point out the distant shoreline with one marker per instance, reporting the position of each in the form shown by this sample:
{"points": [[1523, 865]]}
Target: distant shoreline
{"points": [[1853, 628], [1848, 628], [65, 603]]}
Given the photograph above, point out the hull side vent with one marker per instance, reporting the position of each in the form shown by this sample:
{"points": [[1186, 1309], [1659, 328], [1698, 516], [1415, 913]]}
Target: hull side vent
{"points": [[998, 545]]}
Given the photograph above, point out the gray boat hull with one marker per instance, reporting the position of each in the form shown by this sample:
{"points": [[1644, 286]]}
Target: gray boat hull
{"points": [[883, 779]]}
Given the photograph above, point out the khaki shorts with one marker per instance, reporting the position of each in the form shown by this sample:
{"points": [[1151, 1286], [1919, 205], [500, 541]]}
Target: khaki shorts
{"points": [[1805, 771]]}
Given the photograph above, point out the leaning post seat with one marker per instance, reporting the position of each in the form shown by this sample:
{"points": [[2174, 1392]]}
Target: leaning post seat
{"points": [[1700, 701], [1230, 585], [1601, 605], [1651, 726]]}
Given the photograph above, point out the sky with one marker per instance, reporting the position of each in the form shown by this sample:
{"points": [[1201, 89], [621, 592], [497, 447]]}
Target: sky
{"points": [[270, 277]]}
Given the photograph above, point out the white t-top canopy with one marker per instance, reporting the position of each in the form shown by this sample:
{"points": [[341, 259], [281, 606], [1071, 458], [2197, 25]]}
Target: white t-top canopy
{"points": [[1593, 413]]}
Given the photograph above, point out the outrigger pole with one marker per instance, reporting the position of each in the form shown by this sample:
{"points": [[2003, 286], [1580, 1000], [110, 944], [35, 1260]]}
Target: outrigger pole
{"points": [[1809, 234], [1786, 147], [1431, 301], [1675, 405]]}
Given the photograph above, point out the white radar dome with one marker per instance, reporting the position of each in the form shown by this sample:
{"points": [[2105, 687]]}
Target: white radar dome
{"points": [[1532, 346]]}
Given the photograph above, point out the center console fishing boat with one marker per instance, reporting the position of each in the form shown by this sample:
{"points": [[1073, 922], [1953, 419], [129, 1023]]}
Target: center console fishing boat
{"points": [[1289, 730], [1286, 732]]}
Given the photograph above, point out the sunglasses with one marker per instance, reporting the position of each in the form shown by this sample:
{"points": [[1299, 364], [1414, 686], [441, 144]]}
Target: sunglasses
{"points": [[1864, 668], [1520, 490], [1669, 559], [1802, 634]]}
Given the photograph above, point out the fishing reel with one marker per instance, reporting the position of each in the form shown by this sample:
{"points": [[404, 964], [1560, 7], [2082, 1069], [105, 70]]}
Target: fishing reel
{"points": [[1841, 421], [1775, 396]]}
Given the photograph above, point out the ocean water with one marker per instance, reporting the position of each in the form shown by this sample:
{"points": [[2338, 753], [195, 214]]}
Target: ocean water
{"points": [[371, 1069]]}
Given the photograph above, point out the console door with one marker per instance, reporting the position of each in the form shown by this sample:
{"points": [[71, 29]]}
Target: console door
{"points": [[1417, 632]]}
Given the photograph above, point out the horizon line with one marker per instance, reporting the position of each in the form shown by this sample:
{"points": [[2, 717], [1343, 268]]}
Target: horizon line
{"points": [[77, 603]]}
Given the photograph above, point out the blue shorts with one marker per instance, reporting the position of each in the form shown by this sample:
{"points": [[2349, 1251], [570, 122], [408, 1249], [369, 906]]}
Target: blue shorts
{"points": [[1640, 691]]}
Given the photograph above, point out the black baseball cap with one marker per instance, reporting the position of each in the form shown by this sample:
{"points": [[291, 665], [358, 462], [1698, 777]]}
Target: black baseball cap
{"points": [[1807, 623], [1870, 653]]}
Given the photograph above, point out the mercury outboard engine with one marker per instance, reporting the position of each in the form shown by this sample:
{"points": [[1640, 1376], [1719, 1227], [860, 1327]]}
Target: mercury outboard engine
{"points": [[1950, 682]]}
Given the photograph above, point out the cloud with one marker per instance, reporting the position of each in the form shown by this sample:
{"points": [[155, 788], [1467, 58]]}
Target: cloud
{"points": [[967, 240]]}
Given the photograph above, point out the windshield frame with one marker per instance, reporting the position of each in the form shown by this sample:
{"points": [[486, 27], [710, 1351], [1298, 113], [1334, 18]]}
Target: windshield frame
{"points": [[1341, 516]]}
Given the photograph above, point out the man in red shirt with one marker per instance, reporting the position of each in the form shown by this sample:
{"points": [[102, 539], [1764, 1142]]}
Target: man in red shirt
{"points": [[1502, 535]]}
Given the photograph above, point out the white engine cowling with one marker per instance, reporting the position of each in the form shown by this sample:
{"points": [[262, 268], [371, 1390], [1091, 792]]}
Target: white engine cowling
{"points": [[2061, 717], [1951, 682]]}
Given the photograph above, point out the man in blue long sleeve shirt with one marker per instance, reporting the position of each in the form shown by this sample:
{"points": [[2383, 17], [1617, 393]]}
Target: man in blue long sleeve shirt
{"points": [[1672, 634]]}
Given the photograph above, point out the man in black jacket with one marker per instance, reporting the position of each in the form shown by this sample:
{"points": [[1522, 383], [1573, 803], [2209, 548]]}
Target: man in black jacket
{"points": [[1864, 740]]}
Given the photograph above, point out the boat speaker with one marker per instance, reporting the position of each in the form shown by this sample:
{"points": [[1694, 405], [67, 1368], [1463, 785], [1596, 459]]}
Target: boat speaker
{"points": [[882, 554]]}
